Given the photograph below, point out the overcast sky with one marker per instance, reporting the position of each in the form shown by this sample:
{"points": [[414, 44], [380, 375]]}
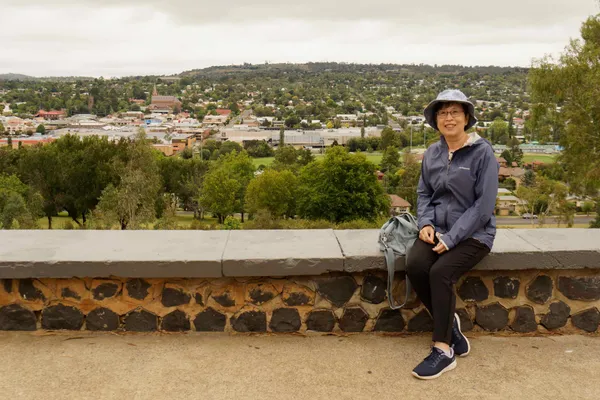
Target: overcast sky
{"points": [[140, 37]]}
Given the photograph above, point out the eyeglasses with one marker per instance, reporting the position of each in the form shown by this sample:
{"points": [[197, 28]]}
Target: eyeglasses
{"points": [[454, 113]]}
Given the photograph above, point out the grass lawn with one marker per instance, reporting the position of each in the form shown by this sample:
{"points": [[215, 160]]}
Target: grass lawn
{"points": [[546, 158], [375, 158]]}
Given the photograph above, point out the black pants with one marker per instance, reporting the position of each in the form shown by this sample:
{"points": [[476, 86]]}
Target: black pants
{"points": [[433, 277]]}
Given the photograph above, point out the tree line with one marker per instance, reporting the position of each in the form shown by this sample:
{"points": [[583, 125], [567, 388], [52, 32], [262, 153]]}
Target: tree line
{"points": [[127, 184]]}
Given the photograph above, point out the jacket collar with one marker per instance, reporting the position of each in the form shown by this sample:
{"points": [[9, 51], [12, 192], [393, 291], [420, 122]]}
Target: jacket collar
{"points": [[472, 138]]}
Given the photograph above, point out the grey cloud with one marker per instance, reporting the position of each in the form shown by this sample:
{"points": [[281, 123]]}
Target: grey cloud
{"points": [[513, 13]]}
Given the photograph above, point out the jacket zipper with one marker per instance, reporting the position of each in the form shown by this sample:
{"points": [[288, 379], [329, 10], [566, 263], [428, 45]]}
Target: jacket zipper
{"points": [[447, 178]]}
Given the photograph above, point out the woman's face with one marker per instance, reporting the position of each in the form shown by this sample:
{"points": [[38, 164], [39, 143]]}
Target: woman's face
{"points": [[451, 119]]}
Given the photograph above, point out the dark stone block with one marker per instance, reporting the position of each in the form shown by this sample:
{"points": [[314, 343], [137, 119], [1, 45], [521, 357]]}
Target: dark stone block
{"points": [[338, 290], [540, 290], [353, 320], [583, 288], [258, 297], [524, 320], [198, 298], [473, 288], [62, 317], [225, 300], [16, 318], [557, 317], [285, 320], [102, 319], [465, 320], [137, 288], [176, 321], [373, 289], [389, 320], [250, 321], [66, 292], [140, 321], [174, 297], [421, 322], [297, 299], [7, 284], [30, 292], [210, 320], [105, 291], [320, 321], [587, 320], [506, 287], [492, 318]]}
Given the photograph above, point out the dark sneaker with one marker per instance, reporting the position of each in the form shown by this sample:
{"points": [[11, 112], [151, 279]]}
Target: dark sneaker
{"points": [[459, 342], [436, 363]]}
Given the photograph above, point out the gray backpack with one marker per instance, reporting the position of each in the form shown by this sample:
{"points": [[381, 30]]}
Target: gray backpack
{"points": [[396, 237]]}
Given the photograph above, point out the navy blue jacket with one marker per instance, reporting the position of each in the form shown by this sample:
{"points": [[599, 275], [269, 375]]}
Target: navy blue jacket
{"points": [[458, 197]]}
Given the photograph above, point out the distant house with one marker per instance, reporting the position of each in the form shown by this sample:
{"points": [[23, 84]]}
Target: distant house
{"points": [[181, 141], [223, 111], [218, 120], [399, 205], [508, 204], [51, 115]]}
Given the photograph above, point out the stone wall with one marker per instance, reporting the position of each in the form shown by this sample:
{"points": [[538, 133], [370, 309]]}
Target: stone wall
{"points": [[534, 280], [520, 301]]}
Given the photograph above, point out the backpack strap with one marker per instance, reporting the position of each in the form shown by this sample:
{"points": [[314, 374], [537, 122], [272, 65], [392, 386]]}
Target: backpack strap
{"points": [[390, 259]]}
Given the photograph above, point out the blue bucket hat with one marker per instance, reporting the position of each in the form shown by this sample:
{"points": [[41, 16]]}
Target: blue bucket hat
{"points": [[449, 95]]}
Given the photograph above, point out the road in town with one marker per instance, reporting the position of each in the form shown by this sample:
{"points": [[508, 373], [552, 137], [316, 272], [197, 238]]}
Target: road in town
{"points": [[579, 219], [83, 365]]}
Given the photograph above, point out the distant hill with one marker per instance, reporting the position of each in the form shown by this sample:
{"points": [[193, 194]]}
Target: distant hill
{"points": [[16, 77], [321, 67]]}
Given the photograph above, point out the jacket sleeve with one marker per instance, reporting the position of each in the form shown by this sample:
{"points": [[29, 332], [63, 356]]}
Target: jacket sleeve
{"points": [[425, 210], [476, 216]]}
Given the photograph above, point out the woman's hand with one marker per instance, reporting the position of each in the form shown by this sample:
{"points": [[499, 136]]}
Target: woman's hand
{"points": [[440, 248], [427, 234]]}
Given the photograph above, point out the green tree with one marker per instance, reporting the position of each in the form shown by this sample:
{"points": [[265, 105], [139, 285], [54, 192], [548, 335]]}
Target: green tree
{"points": [[545, 196], [228, 147], [39, 167], [281, 137], [20, 206], [498, 131], [587, 207], [389, 138], [132, 202], [2, 129], [596, 222], [390, 161], [516, 154], [570, 83], [362, 132], [274, 191], [529, 178], [341, 187], [286, 157], [238, 166], [409, 174], [218, 193], [507, 155], [41, 129], [510, 127]]}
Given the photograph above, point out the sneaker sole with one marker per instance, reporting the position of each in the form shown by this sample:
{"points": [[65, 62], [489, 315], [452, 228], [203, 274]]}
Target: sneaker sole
{"points": [[450, 367], [467, 340]]}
